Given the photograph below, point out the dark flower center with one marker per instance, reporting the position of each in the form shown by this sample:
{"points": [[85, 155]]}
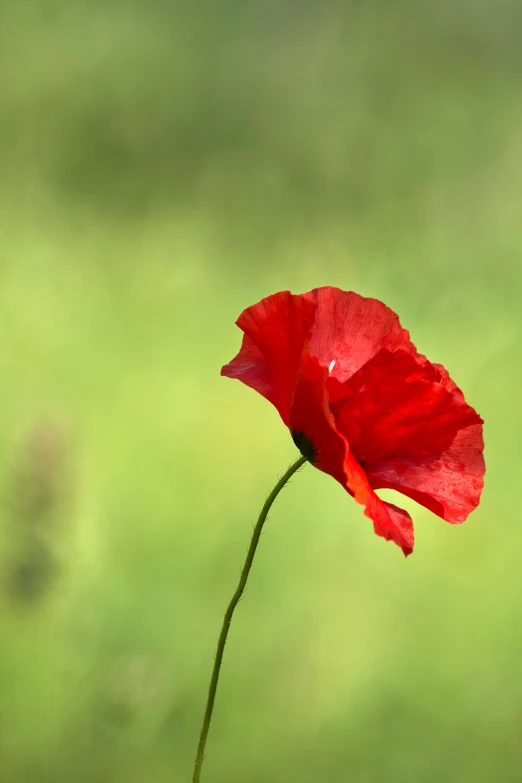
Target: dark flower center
{"points": [[305, 446]]}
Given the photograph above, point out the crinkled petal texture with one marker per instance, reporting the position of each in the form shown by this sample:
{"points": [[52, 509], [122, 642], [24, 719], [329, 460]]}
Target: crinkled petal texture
{"points": [[276, 331], [346, 379]]}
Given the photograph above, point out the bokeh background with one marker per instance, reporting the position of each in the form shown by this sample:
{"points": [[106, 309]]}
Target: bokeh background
{"points": [[162, 166]]}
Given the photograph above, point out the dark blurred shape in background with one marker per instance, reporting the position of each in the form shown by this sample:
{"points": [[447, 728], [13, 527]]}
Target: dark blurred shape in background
{"points": [[36, 503]]}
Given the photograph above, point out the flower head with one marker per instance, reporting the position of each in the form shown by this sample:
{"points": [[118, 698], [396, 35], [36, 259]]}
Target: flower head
{"points": [[363, 405]]}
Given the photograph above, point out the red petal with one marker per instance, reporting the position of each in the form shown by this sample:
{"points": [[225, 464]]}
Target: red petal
{"points": [[449, 485], [310, 414], [277, 329], [389, 521], [350, 329], [411, 427], [251, 367], [395, 405]]}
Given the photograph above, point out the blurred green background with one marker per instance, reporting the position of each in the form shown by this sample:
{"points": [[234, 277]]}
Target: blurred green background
{"points": [[162, 166]]}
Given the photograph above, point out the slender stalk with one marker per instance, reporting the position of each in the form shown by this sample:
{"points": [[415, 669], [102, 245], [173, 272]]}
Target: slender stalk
{"points": [[230, 611]]}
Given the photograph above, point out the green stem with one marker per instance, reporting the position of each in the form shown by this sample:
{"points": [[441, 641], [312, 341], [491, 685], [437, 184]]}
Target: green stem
{"points": [[230, 611]]}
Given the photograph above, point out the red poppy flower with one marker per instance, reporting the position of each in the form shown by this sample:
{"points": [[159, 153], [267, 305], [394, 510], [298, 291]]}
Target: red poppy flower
{"points": [[363, 405]]}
